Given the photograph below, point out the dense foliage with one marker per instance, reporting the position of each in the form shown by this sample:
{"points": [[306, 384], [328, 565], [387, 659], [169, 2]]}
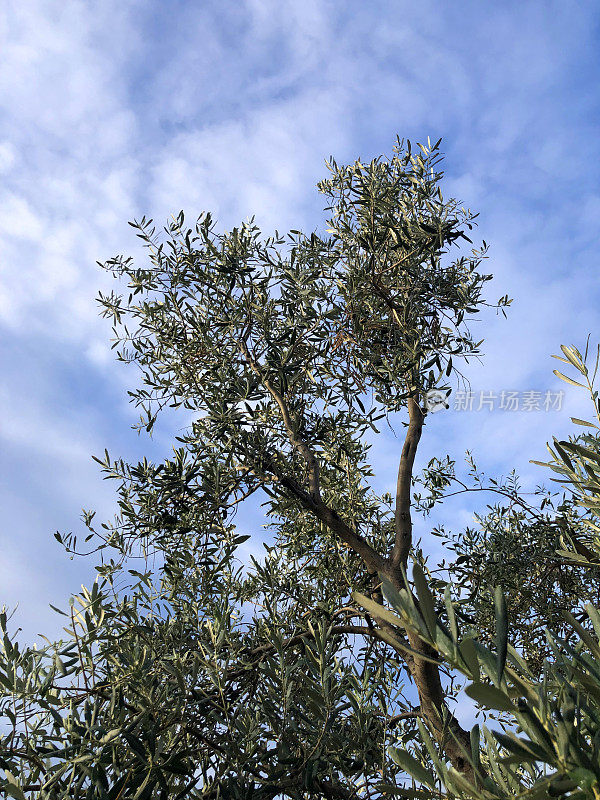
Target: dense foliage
{"points": [[318, 669], [550, 742]]}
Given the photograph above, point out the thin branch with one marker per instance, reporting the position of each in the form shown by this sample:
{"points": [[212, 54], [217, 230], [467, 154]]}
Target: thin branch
{"points": [[391, 722], [296, 441]]}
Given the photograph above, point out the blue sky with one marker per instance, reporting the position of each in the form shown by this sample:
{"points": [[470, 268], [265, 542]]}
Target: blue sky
{"points": [[113, 110]]}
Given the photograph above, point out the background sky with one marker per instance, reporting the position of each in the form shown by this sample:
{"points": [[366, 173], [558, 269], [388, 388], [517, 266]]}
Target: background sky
{"points": [[111, 110]]}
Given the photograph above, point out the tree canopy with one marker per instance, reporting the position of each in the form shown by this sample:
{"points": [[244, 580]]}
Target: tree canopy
{"points": [[327, 668]]}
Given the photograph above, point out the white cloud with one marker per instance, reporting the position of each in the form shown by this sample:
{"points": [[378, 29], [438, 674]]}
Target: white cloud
{"points": [[66, 154], [8, 156], [130, 108], [18, 219], [265, 164]]}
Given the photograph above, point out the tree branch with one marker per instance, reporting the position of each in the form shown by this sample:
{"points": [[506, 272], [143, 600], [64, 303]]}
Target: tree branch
{"points": [[447, 730], [403, 520], [348, 535], [290, 426]]}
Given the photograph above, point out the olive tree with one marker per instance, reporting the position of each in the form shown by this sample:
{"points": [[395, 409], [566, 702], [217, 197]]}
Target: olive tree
{"points": [[189, 672]]}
